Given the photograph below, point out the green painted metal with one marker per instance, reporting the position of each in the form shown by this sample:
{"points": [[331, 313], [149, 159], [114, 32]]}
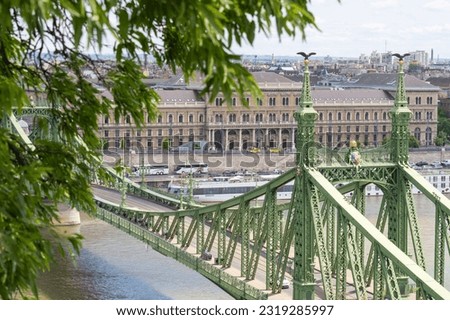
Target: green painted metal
{"points": [[235, 287], [387, 248], [323, 254], [306, 116], [324, 222]]}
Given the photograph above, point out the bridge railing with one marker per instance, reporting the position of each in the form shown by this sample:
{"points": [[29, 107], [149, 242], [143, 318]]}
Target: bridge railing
{"points": [[234, 286], [122, 183], [341, 157]]}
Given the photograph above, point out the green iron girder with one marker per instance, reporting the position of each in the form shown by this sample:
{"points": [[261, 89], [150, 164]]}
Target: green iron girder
{"points": [[387, 249], [341, 256], [245, 238], [323, 254], [380, 225]]}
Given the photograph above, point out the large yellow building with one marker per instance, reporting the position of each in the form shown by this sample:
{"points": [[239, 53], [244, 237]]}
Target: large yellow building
{"points": [[357, 110]]}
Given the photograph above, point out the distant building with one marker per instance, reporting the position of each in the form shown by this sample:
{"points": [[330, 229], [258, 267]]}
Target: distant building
{"points": [[358, 110]]}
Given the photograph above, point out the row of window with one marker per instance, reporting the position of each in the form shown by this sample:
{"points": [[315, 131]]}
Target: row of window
{"points": [[358, 116], [259, 117], [272, 101], [170, 119], [139, 133]]}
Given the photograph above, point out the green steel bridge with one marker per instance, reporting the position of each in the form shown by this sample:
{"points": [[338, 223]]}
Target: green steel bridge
{"points": [[321, 237]]}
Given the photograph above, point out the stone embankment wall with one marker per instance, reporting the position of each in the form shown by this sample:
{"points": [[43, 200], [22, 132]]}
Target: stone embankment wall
{"points": [[247, 161]]}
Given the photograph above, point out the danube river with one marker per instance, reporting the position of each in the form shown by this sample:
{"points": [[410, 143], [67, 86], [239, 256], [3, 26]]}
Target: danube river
{"points": [[113, 265]]}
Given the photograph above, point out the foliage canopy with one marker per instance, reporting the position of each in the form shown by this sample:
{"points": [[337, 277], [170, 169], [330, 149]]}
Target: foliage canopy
{"points": [[42, 50]]}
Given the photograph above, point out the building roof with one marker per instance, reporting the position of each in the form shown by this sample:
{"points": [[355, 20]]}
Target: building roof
{"points": [[350, 96], [178, 96], [272, 80], [388, 81], [442, 82]]}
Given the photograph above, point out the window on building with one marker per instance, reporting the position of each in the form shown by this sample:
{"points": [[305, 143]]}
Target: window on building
{"points": [[233, 101], [330, 116], [348, 128], [285, 101], [259, 117], [170, 118], [127, 119], [219, 118], [339, 116], [200, 118], [348, 116], [428, 137], [357, 116], [219, 102], [297, 101], [232, 117], [106, 119], [159, 119], [259, 101], [191, 118], [272, 117], [384, 116], [106, 133], [320, 116], [272, 101], [366, 116], [180, 118]]}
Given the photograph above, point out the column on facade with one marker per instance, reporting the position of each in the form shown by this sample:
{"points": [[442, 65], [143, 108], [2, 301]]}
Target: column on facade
{"points": [[293, 139], [240, 139], [225, 147], [280, 139]]}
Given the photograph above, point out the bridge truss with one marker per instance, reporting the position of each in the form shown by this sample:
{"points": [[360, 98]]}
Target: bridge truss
{"points": [[321, 237]]}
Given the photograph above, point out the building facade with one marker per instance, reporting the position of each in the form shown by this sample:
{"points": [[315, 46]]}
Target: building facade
{"points": [[355, 111]]}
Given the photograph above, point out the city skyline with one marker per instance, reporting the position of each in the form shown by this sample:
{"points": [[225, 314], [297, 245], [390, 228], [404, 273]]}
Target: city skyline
{"points": [[351, 28]]}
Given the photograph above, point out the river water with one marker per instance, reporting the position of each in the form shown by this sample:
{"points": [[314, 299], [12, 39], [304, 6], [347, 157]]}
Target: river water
{"points": [[113, 265]]}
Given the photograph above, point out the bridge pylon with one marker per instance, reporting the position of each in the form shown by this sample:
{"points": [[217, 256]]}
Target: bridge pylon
{"points": [[306, 116]]}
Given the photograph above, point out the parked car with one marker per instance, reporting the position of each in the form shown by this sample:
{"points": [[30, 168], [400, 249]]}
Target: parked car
{"points": [[229, 173], [285, 284], [421, 163]]}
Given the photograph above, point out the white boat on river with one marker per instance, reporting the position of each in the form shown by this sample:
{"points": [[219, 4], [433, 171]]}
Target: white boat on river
{"points": [[220, 189]]}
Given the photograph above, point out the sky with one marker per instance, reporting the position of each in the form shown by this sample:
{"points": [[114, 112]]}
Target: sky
{"points": [[353, 27]]}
